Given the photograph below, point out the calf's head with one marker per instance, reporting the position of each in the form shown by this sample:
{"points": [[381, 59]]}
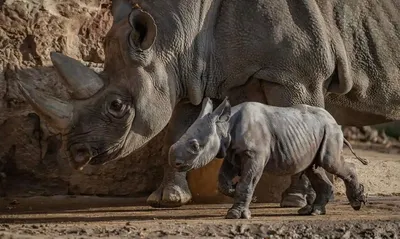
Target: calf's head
{"points": [[208, 137], [116, 112]]}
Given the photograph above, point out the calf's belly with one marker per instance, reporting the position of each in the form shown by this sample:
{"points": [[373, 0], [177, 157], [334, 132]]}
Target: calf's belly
{"points": [[203, 185], [287, 167]]}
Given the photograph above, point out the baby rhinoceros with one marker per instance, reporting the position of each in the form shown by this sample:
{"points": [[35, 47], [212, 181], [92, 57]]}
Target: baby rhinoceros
{"points": [[254, 138]]}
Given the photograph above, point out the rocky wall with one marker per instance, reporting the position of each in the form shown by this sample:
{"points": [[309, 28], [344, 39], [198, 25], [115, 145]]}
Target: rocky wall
{"points": [[29, 155]]}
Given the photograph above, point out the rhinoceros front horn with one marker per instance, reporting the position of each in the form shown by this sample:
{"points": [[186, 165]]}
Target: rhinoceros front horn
{"points": [[55, 111], [82, 80]]}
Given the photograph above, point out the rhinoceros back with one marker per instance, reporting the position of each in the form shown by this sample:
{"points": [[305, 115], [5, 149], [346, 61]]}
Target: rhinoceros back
{"points": [[366, 41]]}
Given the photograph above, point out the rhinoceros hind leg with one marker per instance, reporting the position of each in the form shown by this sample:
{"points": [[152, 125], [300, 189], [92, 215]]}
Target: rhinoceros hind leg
{"points": [[299, 193], [323, 189], [354, 190]]}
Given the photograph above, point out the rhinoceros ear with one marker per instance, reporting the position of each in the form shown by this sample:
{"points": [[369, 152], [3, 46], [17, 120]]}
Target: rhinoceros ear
{"points": [[120, 9], [144, 29], [206, 107]]}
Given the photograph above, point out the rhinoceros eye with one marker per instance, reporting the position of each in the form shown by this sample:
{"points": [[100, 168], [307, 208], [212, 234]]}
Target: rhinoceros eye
{"points": [[117, 108], [116, 105]]}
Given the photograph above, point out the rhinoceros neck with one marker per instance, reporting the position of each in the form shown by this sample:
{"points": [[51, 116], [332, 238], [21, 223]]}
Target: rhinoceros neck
{"points": [[189, 33], [200, 71]]}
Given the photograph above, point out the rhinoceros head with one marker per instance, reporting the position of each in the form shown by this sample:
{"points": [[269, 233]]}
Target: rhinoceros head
{"points": [[116, 112], [205, 139]]}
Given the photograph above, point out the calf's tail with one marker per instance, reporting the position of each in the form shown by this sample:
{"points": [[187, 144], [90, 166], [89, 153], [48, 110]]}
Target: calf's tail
{"points": [[362, 160]]}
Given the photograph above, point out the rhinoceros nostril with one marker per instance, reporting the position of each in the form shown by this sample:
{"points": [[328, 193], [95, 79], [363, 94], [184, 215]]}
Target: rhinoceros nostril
{"points": [[81, 154], [178, 164]]}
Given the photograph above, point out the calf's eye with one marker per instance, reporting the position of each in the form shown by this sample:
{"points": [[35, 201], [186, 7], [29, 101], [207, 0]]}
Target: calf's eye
{"points": [[194, 145]]}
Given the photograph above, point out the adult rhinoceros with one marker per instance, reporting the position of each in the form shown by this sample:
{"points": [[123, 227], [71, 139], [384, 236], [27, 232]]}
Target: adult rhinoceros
{"points": [[163, 57]]}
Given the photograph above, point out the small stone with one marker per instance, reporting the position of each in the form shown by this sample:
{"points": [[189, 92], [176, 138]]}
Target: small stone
{"points": [[346, 235]]}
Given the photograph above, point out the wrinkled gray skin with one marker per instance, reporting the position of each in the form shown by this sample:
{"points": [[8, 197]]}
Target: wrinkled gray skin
{"points": [[254, 138], [163, 59]]}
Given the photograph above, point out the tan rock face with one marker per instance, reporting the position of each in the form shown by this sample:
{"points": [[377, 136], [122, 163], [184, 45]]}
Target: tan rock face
{"points": [[29, 155]]}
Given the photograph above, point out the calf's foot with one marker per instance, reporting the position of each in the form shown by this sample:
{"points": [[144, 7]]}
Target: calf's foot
{"points": [[312, 210], [236, 213], [171, 193], [357, 197]]}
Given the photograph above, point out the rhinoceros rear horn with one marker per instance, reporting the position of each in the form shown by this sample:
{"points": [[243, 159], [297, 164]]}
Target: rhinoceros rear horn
{"points": [[56, 112], [82, 80]]}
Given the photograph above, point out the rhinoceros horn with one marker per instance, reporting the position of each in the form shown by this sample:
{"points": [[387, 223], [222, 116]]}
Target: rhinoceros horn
{"points": [[82, 80], [57, 112]]}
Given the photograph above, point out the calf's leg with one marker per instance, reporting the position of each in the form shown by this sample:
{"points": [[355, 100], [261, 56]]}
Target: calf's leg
{"points": [[251, 171], [347, 172], [333, 162], [323, 189], [227, 173]]}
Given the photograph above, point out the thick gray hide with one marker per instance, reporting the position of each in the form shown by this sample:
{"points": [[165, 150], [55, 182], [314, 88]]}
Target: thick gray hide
{"points": [[163, 59], [256, 138]]}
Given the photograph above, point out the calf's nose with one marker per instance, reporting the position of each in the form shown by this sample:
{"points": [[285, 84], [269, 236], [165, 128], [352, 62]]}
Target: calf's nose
{"points": [[178, 163], [176, 158]]}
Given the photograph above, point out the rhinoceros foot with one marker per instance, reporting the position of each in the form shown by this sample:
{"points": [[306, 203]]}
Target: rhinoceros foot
{"points": [[235, 213], [312, 210], [170, 195], [293, 200]]}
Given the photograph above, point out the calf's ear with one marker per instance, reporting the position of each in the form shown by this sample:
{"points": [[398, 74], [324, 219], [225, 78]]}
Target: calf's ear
{"points": [[144, 29], [206, 107], [223, 112]]}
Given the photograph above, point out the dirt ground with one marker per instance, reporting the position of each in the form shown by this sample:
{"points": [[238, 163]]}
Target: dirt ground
{"points": [[83, 217], [95, 217]]}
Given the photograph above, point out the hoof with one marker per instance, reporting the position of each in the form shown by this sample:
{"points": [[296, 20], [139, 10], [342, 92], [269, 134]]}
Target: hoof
{"points": [[312, 210], [169, 196], [294, 200], [358, 199], [227, 190], [236, 214]]}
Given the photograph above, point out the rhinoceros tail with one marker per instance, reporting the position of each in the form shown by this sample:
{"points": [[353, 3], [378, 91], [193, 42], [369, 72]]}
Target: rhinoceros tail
{"points": [[362, 160]]}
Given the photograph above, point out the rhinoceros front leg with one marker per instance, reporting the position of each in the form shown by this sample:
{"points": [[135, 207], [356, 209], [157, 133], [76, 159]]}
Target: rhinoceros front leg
{"points": [[251, 171], [227, 173], [174, 190]]}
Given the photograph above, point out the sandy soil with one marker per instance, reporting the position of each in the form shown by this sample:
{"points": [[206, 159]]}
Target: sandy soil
{"points": [[82, 217], [94, 217]]}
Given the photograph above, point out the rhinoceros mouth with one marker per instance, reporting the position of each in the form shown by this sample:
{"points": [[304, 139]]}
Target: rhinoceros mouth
{"points": [[106, 156]]}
